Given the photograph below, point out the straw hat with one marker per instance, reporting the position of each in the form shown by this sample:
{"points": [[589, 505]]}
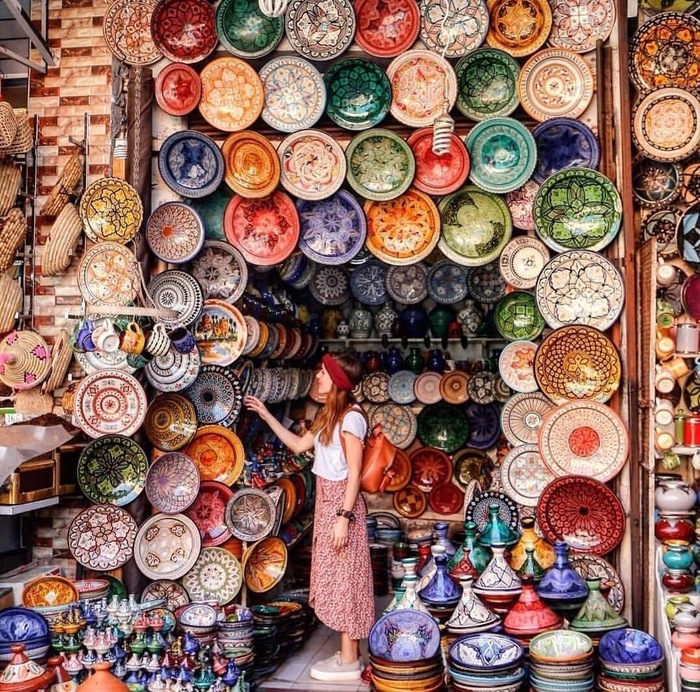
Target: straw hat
{"points": [[24, 360], [8, 124], [67, 183], [61, 358], [13, 231], [24, 138], [62, 241]]}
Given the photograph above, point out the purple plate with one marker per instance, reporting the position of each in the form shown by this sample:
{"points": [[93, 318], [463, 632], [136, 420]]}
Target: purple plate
{"points": [[404, 635], [564, 143]]}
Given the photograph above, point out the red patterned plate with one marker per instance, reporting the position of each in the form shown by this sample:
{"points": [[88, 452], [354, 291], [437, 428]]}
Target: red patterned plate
{"points": [[386, 29], [178, 89], [583, 512], [265, 230], [446, 499], [402, 468], [208, 512], [410, 502], [184, 30], [431, 467], [438, 175]]}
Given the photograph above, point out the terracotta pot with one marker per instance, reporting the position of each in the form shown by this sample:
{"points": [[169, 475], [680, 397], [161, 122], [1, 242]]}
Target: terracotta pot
{"points": [[23, 675], [102, 681]]}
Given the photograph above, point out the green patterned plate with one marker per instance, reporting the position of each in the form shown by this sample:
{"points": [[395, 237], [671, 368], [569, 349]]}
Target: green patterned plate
{"points": [[577, 209], [245, 31], [112, 470], [444, 426], [517, 317]]}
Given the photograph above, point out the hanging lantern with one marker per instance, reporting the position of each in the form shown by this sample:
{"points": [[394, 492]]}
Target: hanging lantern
{"points": [[273, 8], [443, 127]]}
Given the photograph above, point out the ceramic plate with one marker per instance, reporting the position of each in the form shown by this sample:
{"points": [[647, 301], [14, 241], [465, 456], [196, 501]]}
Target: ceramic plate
{"points": [[174, 371], [313, 164], [380, 164], [594, 567], [583, 512], [184, 30], [211, 210], [398, 423], [175, 232], [111, 210], [218, 453], [407, 284], [580, 28], [320, 32], [127, 30], [517, 317], [446, 499], [524, 475], [403, 230], [401, 387], [404, 635], [178, 89], [577, 362], [453, 28], [438, 174], [478, 509], [264, 564], [252, 164], [444, 426], [217, 395], [584, 438], [359, 94], [564, 143], [516, 366], [656, 184], [220, 332], [520, 203], [102, 537], [178, 291], [368, 283], [483, 652], [265, 230], [220, 271], [555, 83], [245, 31], [688, 235], [109, 402], [18, 625], [522, 260], [386, 30], [375, 387], [454, 387], [174, 593], [333, 230], [167, 546], [522, 417], [92, 361], [485, 283], [216, 576], [470, 466], [476, 226], [112, 470], [330, 285], [172, 483], [232, 94], [423, 86], [208, 512], [191, 165], [250, 514], [410, 502], [580, 287], [484, 424], [519, 27], [447, 282], [427, 387], [171, 422], [577, 209], [402, 472]]}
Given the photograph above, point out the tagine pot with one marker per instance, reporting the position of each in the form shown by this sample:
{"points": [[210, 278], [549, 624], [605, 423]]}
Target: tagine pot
{"points": [[102, 680], [530, 615], [561, 588], [544, 551], [498, 586], [497, 531], [596, 614], [23, 675], [470, 558]]}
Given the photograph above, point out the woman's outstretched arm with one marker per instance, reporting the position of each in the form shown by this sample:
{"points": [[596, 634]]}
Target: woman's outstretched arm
{"points": [[297, 444]]}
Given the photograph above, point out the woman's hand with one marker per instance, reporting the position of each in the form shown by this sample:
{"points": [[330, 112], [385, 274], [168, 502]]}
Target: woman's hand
{"points": [[340, 533], [256, 406]]}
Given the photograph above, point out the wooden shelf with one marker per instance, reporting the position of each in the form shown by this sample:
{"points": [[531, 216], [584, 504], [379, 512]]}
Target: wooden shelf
{"points": [[376, 340]]}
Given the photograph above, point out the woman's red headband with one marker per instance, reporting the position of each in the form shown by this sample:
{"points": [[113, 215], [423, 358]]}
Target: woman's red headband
{"points": [[338, 376]]}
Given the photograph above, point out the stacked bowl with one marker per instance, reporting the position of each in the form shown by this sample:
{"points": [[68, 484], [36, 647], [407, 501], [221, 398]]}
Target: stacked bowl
{"points": [[562, 661], [23, 626], [235, 635], [632, 660]]}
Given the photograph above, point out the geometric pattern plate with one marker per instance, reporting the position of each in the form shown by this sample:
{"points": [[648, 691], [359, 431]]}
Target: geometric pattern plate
{"points": [[216, 576], [250, 514], [524, 475], [594, 567], [522, 417]]}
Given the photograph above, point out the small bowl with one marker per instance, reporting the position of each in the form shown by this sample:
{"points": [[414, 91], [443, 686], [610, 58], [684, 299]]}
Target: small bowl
{"points": [[629, 646]]}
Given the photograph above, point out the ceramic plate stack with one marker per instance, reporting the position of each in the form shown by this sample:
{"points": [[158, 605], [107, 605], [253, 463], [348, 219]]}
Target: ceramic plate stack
{"points": [[561, 661], [631, 659], [236, 635]]}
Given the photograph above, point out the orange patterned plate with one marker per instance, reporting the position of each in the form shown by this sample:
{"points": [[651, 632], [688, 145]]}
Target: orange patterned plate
{"points": [[402, 468], [410, 502], [252, 164], [453, 387], [290, 498], [446, 498], [218, 453], [519, 27], [264, 564], [49, 591]]}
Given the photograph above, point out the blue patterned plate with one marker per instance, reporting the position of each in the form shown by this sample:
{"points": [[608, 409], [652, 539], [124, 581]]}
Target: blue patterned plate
{"points": [[191, 164], [407, 284], [486, 284], [564, 143], [484, 424], [21, 624], [447, 282], [401, 387], [486, 652], [368, 283], [404, 635]]}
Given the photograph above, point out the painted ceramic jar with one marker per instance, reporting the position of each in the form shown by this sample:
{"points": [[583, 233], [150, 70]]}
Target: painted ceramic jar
{"points": [[360, 322], [677, 555], [674, 528], [678, 580], [470, 317], [544, 552], [673, 495], [384, 320]]}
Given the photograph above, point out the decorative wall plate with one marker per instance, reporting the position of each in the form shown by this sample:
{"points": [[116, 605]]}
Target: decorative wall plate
{"points": [[127, 30], [167, 546], [666, 124], [358, 94], [178, 89], [516, 365], [111, 210], [522, 417], [375, 387], [584, 438], [517, 317], [520, 203], [655, 184], [398, 423], [380, 164], [577, 209], [579, 29], [217, 395], [112, 470], [175, 232], [583, 512], [407, 284], [320, 33], [208, 512], [109, 402], [427, 387], [220, 270], [220, 332], [402, 472], [555, 83], [580, 287], [386, 30], [313, 164], [368, 283], [481, 387], [577, 362], [447, 282], [211, 209], [265, 230], [453, 28], [191, 165], [478, 509], [485, 283], [218, 453], [423, 86], [232, 94], [172, 482], [216, 576], [92, 361], [410, 501], [171, 422], [102, 537], [438, 174], [404, 636], [594, 567], [179, 291], [476, 226], [454, 387], [44, 592], [400, 387], [245, 31], [689, 234], [484, 424], [250, 514], [564, 143], [522, 260], [184, 30], [264, 564], [173, 592], [446, 499], [174, 371], [519, 27], [252, 164], [330, 285], [444, 426], [333, 230], [524, 475]]}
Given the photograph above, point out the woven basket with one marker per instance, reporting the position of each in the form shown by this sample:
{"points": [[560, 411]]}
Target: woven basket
{"points": [[8, 124], [24, 139], [33, 402], [13, 231], [10, 180], [66, 185], [62, 241], [61, 358], [10, 302]]}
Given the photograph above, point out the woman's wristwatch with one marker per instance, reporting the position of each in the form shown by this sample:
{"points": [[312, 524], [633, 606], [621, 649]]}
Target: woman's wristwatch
{"points": [[350, 516]]}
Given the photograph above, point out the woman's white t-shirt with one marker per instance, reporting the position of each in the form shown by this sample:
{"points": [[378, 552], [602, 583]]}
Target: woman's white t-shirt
{"points": [[329, 460]]}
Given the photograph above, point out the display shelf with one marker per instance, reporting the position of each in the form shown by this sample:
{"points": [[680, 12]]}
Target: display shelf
{"points": [[12, 510], [685, 449], [377, 340]]}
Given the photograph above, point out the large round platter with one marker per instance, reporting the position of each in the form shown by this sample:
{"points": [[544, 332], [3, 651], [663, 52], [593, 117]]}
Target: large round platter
{"points": [[584, 438], [217, 395], [577, 209], [171, 591], [666, 124], [520, 203], [517, 317], [478, 509], [216, 576], [220, 271], [380, 164], [264, 564], [502, 153], [577, 362], [386, 30], [184, 30], [564, 143], [333, 230], [320, 35], [218, 453], [555, 83], [179, 291], [220, 332], [484, 424], [398, 424], [453, 28], [407, 284], [487, 83], [583, 512], [43, 592], [127, 30], [232, 94], [593, 567], [109, 402], [519, 27], [191, 165], [447, 282], [178, 89], [368, 283], [167, 546], [208, 512], [264, 230], [174, 371], [476, 226], [580, 287], [423, 86], [524, 475], [404, 635], [102, 537], [172, 482], [295, 93], [250, 514], [403, 230], [665, 52], [358, 94], [580, 28], [330, 285], [175, 232], [522, 417], [252, 164], [444, 426], [522, 260], [427, 387], [111, 210], [112, 470], [245, 31], [438, 174], [446, 499], [516, 366], [313, 164], [171, 422], [485, 283]]}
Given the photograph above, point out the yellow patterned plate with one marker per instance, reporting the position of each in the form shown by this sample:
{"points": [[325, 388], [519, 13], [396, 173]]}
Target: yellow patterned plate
{"points": [[218, 453], [49, 591], [111, 209], [264, 564], [108, 274], [518, 27], [252, 165]]}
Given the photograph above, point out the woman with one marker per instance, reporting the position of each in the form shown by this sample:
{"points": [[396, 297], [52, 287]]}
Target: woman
{"points": [[341, 575]]}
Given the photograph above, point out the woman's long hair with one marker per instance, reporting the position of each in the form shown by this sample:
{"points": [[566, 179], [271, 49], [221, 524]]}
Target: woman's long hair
{"points": [[338, 401]]}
